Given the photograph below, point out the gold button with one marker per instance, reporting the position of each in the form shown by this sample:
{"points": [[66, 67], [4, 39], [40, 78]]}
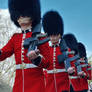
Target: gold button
{"points": [[55, 70], [22, 59], [22, 48], [22, 51]]}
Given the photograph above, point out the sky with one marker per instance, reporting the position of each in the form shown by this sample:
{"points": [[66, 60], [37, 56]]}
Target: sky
{"points": [[76, 14]]}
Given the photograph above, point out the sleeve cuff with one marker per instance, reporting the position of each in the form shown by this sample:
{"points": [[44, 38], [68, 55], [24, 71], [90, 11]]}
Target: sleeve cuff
{"points": [[37, 61]]}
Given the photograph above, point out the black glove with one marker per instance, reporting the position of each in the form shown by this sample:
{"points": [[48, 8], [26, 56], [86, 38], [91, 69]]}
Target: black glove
{"points": [[0, 52], [36, 61]]}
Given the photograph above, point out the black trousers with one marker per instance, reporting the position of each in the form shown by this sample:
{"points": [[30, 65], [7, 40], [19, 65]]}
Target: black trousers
{"points": [[71, 88]]}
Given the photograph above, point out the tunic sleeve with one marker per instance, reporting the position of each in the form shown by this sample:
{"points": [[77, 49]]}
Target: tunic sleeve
{"points": [[45, 52], [8, 49], [71, 56]]}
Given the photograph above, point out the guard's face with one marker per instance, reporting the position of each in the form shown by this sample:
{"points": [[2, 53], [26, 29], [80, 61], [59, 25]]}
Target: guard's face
{"points": [[83, 58], [54, 38], [24, 21]]}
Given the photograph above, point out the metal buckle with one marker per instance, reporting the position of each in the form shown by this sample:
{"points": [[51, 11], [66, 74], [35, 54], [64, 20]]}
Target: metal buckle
{"points": [[55, 70], [23, 66]]}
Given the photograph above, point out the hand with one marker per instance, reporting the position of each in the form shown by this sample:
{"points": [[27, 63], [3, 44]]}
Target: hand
{"points": [[82, 74], [33, 54], [71, 70]]}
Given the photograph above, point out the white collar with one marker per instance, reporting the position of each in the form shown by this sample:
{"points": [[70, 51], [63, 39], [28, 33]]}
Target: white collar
{"points": [[51, 45]]}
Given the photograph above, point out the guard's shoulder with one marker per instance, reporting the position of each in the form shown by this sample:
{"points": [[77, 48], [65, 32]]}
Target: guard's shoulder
{"points": [[16, 34]]}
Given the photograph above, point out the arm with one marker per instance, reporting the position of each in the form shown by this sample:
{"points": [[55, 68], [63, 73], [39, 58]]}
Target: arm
{"points": [[45, 55], [89, 71], [7, 50], [71, 69], [40, 57]]}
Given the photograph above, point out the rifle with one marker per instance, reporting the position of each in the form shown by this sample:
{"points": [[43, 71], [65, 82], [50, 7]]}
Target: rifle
{"points": [[89, 68], [33, 42], [64, 56], [86, 64], [78, 66]]}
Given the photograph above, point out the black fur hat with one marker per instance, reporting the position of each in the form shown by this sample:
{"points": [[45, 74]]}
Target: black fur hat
{"points": [[81, 50], [29, 8], [71, 42], [53, 23]]}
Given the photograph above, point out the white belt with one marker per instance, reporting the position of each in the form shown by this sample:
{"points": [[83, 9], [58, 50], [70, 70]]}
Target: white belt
{"points": [[73, 77], [25, 66], [56, 70], [84, 65], [82, 61]]}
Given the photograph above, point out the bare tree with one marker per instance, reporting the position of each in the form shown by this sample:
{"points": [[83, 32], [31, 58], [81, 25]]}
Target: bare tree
{"points": [[7, 67]]}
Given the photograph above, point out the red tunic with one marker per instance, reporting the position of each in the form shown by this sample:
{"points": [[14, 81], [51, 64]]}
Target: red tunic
{"points": [[78, 83], [75, 81], [26, 80], [84, 81], [56, 81]]}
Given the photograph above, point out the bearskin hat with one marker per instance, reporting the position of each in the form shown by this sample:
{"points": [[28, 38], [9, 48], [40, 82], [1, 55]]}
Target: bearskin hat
{"points": [[53, 23], [81, 50], [71, 42], [29, 8]]}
